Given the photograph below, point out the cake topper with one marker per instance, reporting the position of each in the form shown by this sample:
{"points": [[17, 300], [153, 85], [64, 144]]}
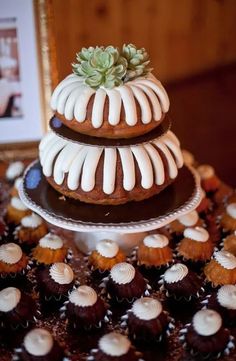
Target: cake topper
{"points": [[109, 67]]}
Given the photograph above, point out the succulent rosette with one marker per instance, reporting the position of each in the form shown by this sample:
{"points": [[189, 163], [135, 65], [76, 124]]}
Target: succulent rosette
{"points": [[110, 67]]}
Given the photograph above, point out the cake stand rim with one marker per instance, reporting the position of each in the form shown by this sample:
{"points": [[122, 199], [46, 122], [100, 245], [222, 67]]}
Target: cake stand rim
{"points": [[133, 227]]}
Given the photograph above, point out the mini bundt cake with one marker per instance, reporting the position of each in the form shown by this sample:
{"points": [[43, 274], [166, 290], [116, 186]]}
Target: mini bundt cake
{"points": [[110, 175]]}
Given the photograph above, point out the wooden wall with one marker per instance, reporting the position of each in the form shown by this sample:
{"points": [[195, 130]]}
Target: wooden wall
{"points": [[183, 37]]}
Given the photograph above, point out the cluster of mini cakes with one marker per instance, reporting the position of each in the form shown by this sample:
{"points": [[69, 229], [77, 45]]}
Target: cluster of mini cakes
{"points": [[95, 103]]}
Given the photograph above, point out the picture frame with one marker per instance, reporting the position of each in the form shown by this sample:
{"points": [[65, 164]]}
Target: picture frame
{"points": [[28, 66]]}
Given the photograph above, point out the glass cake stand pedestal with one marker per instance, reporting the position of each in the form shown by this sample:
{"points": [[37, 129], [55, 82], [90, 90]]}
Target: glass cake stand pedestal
{"points": [[126, 224]]}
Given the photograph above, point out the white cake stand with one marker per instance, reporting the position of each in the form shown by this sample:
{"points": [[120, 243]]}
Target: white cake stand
{"points": [[87, 233]]}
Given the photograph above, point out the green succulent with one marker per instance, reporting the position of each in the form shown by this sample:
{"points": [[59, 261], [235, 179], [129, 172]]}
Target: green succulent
{"points": [[101, 66], [138, 60], [110, 67]]}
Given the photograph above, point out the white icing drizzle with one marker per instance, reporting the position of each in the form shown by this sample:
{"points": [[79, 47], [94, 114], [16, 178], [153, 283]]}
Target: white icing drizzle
{"points": [[231, 210], [83, 296], [14, 170], [206, 171], [189, 219], [114, 344], [31, 221], [225, 259], [226, 296], [197, 234], [52, 241], [10, 253], [156, 241], [59, 157], [38, 342], [71, 97], [122, 273], [61, 273], [207, 322], [107, 248], [9, 299], [17, 204], [175, 273], [147, 308]]}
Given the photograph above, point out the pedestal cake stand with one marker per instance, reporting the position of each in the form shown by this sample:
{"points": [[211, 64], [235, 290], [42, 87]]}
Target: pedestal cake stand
{"points": [[126, 224]]}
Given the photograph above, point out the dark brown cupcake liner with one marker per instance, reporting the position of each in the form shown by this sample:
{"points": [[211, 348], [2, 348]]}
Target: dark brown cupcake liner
{"points": [[182, 338]]}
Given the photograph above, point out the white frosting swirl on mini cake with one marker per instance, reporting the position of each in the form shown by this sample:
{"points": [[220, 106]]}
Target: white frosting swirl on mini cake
{"points": [[147, 308], [14, 170], [61, 273], [156, 241], [9, 299], [10, 253], [225, 259], [71, 97], [175, 273], [114, 344], [122, 273], [18, 204], [231, 210], [83, 296], [17, 182], [38, 342], [207, 322], [226, 296], [107, 248], [189, 219], [59, 157], [31, 221], [52, 241], [206, 171], [188, 157], [197, 234]]}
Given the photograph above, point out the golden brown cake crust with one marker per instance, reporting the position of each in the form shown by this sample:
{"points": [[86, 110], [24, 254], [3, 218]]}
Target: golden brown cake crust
{"points": [[16, 267], [156, 257], [105, 263], [121, 130], [120, 195]]}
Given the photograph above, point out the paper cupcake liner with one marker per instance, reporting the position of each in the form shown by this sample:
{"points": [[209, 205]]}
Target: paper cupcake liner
{"points": [[194, 353]]}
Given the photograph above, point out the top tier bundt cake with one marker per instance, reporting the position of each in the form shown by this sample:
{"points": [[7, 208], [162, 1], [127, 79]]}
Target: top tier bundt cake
{"points": [[112, 94]]}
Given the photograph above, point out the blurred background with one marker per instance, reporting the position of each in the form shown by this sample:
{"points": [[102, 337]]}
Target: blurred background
{"points": [[192, 48]]}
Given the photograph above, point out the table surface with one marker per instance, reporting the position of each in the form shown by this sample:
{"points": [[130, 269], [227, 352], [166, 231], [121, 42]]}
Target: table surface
{"points": [[203, 112]]}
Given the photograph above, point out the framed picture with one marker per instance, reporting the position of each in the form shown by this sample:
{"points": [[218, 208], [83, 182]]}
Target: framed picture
{"points": [[26, 62]]}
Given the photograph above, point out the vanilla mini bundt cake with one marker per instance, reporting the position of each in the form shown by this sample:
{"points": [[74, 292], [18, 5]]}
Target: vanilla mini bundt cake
{"points": [[110, 175], [111, 94]]}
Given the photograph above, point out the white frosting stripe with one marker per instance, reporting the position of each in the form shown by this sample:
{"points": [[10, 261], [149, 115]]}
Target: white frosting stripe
{"points": [[129, 105], [128, 167], [89, 168], [80, 109], [98, 105], [70, 103], [173, 171], [156, 163], [76, 168], [64, 83], [114, 106], [47, 166], [65, 93], [145, 166], [109, 170], [175, 150], [156, 107], [146, 113], [64, 161]]}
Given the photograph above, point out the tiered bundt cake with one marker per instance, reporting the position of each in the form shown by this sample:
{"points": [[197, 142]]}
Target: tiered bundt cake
{"points": [[112, 94]]}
